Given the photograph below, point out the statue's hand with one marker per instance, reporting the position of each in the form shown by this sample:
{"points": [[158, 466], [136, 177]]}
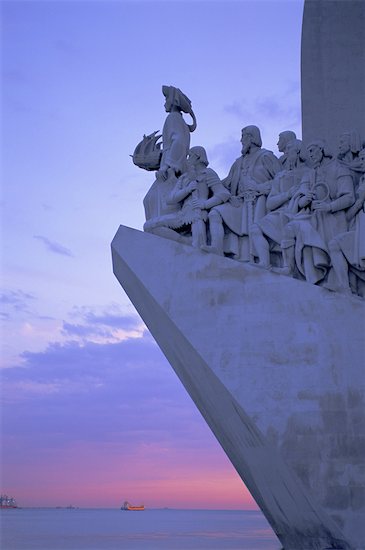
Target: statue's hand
{"points": [[192, 186], [309, 196], [265, 188], [198, 203], [250, 184], [321, 206], [291, 192], [235, 201], [162, 174]]}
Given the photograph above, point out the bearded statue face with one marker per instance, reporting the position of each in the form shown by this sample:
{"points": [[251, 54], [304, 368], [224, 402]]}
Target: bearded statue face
{"points": [[344, 144], [246, 141], [281, 143]]}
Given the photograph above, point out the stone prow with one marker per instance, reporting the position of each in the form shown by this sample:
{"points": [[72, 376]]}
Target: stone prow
{"points": [[275, 367]]}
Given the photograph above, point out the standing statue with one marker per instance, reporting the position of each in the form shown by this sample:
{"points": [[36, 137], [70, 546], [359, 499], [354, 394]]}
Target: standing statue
{"points": [[347, 250], [175, 147], [325, 193], [267, 234], [249, 182], [196, 191], [284, 138]]}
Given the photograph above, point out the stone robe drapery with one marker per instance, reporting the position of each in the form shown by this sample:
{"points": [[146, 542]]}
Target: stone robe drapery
{"points": [[175, 142], [352, 243], [175, 147], [314, 228], [247, 173], [272, 225]]}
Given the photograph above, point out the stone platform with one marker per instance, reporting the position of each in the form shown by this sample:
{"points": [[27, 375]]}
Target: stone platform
{"points": [[276, 368]]}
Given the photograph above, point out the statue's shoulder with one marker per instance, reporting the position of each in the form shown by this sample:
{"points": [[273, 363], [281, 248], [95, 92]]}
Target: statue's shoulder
{"points": [[269, 160], [266, 153], [211, 176], [338, 168]]}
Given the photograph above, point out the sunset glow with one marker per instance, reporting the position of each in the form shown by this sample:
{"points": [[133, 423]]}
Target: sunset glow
{"points": [[92, 413]]}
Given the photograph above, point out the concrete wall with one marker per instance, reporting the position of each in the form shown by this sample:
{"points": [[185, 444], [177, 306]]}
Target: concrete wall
{"points": [[333, 69]]}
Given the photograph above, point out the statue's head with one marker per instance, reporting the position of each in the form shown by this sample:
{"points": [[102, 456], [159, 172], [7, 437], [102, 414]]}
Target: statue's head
{"points": [[294, 151], [317, 150], [198, 154], [284, 138], [177, 99], [250, 136], [362, 159], [349, 142]]}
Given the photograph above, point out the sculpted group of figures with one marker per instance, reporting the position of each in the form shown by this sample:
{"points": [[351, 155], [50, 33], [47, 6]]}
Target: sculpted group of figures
{"points": [[301, 214]]}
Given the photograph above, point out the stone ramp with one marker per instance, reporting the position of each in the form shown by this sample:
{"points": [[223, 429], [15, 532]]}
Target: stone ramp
{"points": [[275, 366]]}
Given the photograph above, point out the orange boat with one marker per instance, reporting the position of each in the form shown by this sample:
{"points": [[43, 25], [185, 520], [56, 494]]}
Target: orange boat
{"points": [[128, 506]]}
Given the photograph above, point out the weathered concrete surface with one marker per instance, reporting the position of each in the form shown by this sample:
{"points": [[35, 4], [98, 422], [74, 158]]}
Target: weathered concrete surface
{"points": [[276, 367], [333, 69]]}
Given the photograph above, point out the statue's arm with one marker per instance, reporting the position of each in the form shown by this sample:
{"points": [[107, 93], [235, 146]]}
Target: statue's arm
{"points": [[218, 192], [226, 182], [276, 198], [272, 165], [304, 195], [346, 194], [358, 204], [181, 190], [220, 195]]}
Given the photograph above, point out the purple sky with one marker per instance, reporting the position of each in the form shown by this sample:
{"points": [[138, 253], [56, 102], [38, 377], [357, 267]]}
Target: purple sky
{"points": [[92, 413]]}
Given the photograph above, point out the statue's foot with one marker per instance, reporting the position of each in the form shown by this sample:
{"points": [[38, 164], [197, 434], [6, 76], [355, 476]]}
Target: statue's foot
{"points": [[282, 270], [211, 249]]}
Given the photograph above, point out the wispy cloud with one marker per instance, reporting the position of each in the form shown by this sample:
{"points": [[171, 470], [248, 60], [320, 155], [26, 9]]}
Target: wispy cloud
{"points": [[283, 108], [102, 325], [118, 416], [53, 246], [238, 108], [224, 154], [16, 299], [129, 385]]}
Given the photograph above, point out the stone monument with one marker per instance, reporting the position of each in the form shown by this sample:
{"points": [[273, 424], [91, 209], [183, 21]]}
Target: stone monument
{"points": [[333, 75], [253, 287]]}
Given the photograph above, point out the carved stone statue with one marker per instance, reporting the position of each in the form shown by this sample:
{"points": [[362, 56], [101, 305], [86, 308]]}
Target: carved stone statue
{"points": [[347, 250], [249, 182], [196, 191], [284, 139], [295, 216], [349, 146], [267, 234], [325, 193], [175, 147]]}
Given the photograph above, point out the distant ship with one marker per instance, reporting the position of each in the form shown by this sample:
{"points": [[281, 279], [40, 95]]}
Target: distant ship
{"points": [[7, 502], [128, 506]]}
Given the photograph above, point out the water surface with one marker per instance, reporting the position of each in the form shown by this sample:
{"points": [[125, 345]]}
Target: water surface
{"points": [[105, 529]]}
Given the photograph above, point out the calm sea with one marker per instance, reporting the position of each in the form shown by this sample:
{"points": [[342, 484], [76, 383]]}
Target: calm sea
{"points": [[93, 529]]}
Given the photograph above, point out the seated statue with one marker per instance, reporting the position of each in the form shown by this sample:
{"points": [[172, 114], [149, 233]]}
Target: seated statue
{"points": [[195, 192], [267, 234], [249, 182], [325, 193], [175, 147], [347, 250]]}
